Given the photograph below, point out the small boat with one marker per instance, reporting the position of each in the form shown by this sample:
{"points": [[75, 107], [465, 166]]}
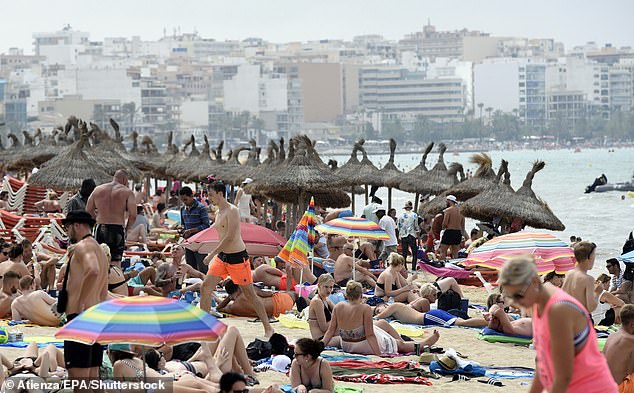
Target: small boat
{"points": [[625, 186], [599, 181]]}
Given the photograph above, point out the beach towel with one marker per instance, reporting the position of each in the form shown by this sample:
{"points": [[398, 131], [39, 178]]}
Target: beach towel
{"points": [[509, 374], [469, 369], [338, 389], [292, 322], [342, 371], [493, 336], [443, 271], [338, 358], [384, 364], [42, 341], [408, 330], [383, 379]]}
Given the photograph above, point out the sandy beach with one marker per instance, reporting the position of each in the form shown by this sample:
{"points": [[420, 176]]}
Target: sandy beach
{"points": [[462, 340]]}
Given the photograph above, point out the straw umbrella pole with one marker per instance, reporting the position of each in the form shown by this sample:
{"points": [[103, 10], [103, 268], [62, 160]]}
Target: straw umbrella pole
{"points": [[390, 172]]}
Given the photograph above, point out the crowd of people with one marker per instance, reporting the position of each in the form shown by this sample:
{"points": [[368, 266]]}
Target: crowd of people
{"points": [[104, 220]]}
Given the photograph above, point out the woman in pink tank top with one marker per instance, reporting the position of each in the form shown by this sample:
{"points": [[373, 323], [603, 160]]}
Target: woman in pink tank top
{"points": [[568, 357]]}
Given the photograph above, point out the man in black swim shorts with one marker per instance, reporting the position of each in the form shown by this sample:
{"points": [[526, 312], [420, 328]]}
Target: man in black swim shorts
{"points": [[453, 226]]}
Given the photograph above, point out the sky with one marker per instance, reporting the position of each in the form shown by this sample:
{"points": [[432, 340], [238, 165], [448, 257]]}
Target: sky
{"points": [[570, 22]]}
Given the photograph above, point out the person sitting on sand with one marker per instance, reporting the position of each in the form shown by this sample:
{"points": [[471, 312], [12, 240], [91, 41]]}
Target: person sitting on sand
{"points": [[50, 204], [15, 263], [320, 308], [619, 351], [335, 245], [275, 303], [309, 371], [555, 279], [47, 263], [278, 276], [609, 306], [344, 266], [430, 292], [407, 314], [352, 320], [500, 321], [391, 284], [578, 283], [138, 232], [10, 286], [35, 306]]}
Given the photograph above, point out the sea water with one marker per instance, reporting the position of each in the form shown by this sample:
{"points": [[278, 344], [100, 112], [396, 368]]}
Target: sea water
{"points": [[603, 218]]}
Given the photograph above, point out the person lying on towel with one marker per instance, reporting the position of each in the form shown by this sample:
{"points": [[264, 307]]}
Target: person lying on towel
{"points": [[275, 303], [502, 322]]}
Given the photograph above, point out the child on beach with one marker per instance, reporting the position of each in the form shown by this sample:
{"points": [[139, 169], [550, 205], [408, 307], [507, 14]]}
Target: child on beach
{"points": [[578, 283]]}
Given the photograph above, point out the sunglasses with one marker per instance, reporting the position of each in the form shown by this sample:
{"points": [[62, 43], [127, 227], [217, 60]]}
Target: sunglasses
{"points": [[299, 354], [517, 296]]}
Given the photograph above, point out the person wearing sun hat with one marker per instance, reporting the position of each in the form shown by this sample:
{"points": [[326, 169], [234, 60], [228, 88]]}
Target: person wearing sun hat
{"points": [[453, 225]]}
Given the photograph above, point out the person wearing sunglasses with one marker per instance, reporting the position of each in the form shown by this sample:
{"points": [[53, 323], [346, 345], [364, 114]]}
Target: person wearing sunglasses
{"points": [[502, 322], [568, 357], [578, 283], [309, 371]]}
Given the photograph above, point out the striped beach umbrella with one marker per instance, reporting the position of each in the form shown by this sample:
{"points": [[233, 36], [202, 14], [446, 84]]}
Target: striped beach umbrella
{"points": [[302, 240], [145, 320], [356, 227], [550, 253]]}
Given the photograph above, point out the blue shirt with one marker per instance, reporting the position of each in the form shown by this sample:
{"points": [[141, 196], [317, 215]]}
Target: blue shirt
{"points": [[195, 217]]}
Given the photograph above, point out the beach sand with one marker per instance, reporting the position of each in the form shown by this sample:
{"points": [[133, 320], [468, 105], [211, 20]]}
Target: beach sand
{"points": [[462, 340]]}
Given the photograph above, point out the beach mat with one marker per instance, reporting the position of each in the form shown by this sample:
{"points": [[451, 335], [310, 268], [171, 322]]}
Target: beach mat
{"points": [[408, 330], [338, 389], [382, 379], [292, 322], [41, 341], [493, 336]]}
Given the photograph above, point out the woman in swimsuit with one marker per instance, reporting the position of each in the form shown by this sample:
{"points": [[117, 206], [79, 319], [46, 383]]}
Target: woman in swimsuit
{"points": [[310, 372], [606, 302], [392, 284], [320, 309], [357, 332], [34, 363], [567, 353], [502, 322]]}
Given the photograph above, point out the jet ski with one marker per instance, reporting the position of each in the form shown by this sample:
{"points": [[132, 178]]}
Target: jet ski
{"points": [[599, 181]]}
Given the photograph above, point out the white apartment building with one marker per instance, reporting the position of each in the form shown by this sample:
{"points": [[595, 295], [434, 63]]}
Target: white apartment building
{"points": [[393, 90], [250, 91], [60, 47]]}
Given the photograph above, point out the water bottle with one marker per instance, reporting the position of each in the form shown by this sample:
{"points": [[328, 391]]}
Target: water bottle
{"points": [[390, 300]]}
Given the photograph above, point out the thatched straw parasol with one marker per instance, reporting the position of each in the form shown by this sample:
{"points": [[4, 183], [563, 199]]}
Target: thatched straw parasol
{"points": [[390, 173], [483, 179], [351, 167], [67, 171], [329, 199], [434, 181], [501, 202], [233, 172]]}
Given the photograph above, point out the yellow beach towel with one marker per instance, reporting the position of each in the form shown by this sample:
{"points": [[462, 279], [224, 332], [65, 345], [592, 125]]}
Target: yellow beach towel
{"points": [[291, 321]]}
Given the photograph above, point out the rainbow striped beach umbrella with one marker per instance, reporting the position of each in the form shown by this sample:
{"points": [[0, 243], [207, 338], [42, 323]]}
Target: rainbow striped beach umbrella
{"points": [[302, 240], [145, 320], [353, 227], [550, 253]]}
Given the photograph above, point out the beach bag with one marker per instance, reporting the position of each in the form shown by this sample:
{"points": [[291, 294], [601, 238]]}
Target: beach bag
{"points": [[259, 349], [62, 297], [449, 300]]}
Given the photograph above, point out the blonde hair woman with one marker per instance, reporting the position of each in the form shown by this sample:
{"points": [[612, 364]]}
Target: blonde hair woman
{"points": [[320, 309], [353, 322], [392, 284], [568, 357]]}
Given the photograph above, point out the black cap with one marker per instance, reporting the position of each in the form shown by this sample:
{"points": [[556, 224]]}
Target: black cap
{"points": [[78, 216]]}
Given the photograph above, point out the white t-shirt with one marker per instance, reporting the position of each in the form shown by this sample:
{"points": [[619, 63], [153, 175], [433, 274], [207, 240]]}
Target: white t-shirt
{"points": [[387, 224]]}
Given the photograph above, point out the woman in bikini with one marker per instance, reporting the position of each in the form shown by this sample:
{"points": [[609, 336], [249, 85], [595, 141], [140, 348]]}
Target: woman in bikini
{"points": [[567, 353], [34, 363], [392, 284], [357, 332], [502, 322], [320, 309], [309, 371]]}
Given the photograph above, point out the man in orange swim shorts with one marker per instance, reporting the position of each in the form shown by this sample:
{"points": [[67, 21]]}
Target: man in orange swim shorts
{"points": [[230, 257], [275, 303]]}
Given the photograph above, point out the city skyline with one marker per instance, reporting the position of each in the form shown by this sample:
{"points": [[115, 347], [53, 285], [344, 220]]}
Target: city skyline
{"points": [[287, 20]]}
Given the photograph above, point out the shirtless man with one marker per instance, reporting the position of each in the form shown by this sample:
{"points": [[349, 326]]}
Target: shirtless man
{"points": [[87, 271], [15, 262], [407, 314], [35, 306], [335, 245], [619, 351], [275, 303], [230, 258], [108, 203], [578, 283], [453, 224], [10, 284], [343, 269], [278, 276]]}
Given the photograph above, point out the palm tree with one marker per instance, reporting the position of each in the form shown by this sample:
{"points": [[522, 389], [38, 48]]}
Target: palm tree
{"points": [[480, 106]]}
